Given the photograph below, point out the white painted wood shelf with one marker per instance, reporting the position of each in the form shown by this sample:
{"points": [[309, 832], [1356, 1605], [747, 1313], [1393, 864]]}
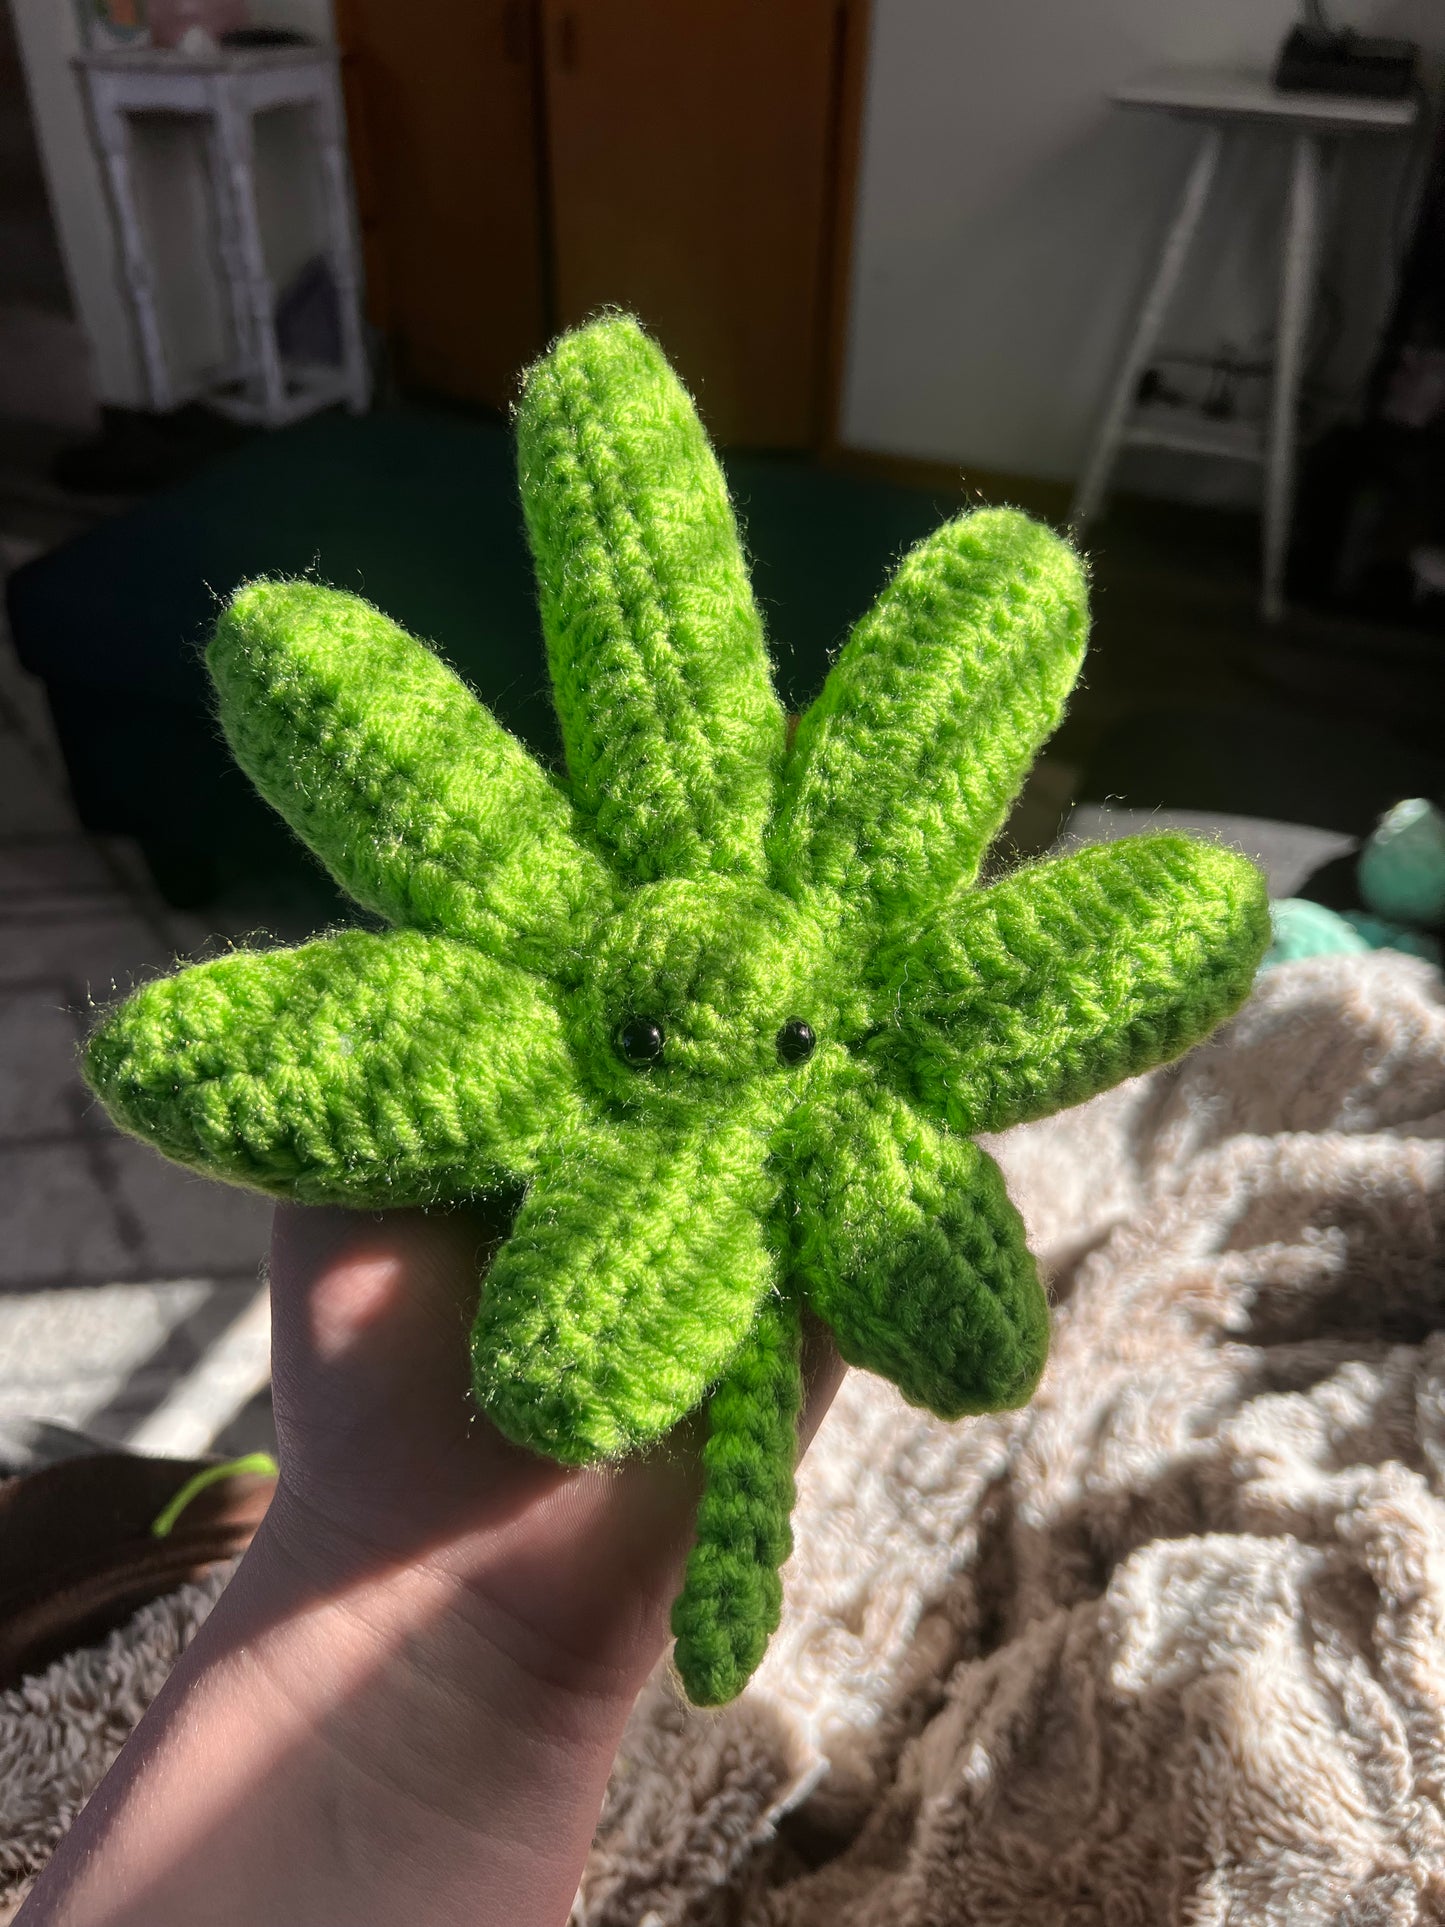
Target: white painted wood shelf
{"points": [[1222, 101], [1186, 432], [226, 93]]}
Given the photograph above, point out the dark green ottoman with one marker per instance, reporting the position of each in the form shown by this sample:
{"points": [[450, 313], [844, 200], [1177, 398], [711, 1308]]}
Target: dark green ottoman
{"points": [[419, 513]]}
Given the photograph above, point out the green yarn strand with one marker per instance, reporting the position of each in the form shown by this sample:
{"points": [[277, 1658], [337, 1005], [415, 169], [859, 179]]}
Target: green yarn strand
{"points": [[361, 1069], [1071, 975], [732, 1593], [631, 1277], [906, 765], [907, 1246], [411, 793], [672, 730]]}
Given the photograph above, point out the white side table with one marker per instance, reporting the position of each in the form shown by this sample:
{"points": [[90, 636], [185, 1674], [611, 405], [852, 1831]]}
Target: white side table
{"points": [[1222, 101], [227, 92]]}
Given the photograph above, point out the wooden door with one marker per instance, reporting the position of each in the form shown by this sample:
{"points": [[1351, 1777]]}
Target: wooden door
{"points": [[522, 163], [694, 160], [443, 108]]}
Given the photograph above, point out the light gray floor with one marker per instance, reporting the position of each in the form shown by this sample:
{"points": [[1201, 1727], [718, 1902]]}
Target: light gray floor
{"points": [[128, 1288]]}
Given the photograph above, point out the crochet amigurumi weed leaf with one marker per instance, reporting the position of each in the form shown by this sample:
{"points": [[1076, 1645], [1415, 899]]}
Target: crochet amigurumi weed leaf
{"points": [[729, 1008]]}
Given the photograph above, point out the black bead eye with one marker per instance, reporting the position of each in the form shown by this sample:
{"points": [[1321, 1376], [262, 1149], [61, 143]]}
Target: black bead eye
{"points": [[640, 1042], [796, 1041]]}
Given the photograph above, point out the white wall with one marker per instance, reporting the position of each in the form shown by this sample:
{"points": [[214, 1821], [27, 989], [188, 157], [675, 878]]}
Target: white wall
{"points": [[169, 186], [1007, 216]]}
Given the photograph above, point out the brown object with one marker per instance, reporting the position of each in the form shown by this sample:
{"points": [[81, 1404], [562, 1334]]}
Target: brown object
{"points": [[521, 165], [77, 1555], [443, 109], [689, 150]]}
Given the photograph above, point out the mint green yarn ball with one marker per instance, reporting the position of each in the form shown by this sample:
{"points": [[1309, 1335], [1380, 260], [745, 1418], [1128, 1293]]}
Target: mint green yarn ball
{"points": [[1402, 867], [1382, 933], [1304, 929]]}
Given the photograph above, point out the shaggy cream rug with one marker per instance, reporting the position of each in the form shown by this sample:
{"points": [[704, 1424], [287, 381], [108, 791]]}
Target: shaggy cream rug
{"points": [[1167, 1646]]}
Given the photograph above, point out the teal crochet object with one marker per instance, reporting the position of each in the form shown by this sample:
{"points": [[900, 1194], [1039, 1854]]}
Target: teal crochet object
{"points": [[1382, 933], [1303, 928], [1402, 866], [724, 1009]]}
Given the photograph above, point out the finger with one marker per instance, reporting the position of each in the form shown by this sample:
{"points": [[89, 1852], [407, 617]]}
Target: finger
{"points": [[374, 1414], [379, 1433], [823, 1374]]}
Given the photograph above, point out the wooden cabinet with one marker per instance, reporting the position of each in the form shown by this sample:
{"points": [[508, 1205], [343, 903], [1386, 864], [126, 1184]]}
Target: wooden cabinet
{"points": [[444, 116], [522, 164]]}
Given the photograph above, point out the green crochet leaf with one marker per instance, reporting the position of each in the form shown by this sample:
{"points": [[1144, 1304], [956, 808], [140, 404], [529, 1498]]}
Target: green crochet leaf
{"points": [[672, 730], [632, 1275], [905, 767], [412, 794], [400, 1067], [732, 1594], [1069, 976], [906, 1245]]}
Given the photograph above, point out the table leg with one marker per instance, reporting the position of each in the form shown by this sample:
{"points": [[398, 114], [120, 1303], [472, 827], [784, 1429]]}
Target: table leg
{"points": [[1301, 249], [1104, 451], [232, 254], [235, 134], [341, 246], [113, 136]]}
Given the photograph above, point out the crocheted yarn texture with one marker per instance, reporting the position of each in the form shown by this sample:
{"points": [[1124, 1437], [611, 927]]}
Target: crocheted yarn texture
{"points": [[729, 1008]]}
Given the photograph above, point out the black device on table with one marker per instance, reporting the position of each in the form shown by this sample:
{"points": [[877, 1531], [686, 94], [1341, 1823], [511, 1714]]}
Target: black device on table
{"points": [[1319, 59]]}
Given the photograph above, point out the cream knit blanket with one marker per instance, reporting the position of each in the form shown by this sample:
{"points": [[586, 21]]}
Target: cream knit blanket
{"points": [[1169, 1645]]}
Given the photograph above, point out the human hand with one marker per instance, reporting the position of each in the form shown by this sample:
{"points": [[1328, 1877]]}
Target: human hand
{"points": [[409, 1698], [385, 1460]]}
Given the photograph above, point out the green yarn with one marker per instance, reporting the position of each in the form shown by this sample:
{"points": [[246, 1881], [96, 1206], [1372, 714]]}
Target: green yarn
{"points": [[733, 1593], [672, 731], [907, 1246], [905, 767], [1074, 973], [698, 891], [632, 1275], [260, 1464], [344, 1072], [414, 796]]}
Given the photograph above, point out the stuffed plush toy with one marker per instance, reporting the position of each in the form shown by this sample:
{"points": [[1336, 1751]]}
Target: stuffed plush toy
{"points": [[725, 1008]]}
